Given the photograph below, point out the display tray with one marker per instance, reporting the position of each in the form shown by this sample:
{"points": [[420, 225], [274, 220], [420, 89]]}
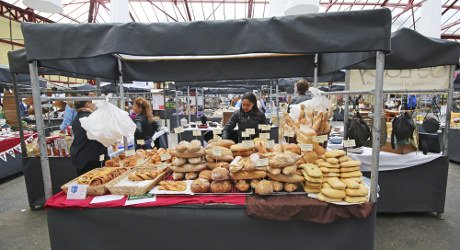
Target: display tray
{"points": [[123, 186], [344, 203], [187, 191], [298, 191]]}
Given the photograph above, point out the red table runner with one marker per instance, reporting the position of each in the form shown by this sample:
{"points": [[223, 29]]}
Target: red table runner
{"points": [[60, 201], [10, 143]]}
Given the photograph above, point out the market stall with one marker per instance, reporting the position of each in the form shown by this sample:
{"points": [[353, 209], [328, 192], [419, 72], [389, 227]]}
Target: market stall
{"points": [[414, 182], [309, 34]]}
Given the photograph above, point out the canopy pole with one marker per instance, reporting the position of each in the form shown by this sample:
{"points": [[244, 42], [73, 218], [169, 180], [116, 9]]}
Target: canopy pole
{"points": [[196, 102], [45, 165], [315, 72], [450, 95], [378, 98], [98, 86], [177, 104], [188, 105], [277, 106], [164, 104], [18, 112], [122, 99], [346, 104]]}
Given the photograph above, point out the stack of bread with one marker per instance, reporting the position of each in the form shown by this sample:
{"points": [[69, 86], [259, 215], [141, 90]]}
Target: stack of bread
{"points": [[220, 142], [313, 178], [218, 156], [188, 161], [282, 171], [344, 178], [216, 181], [318, 122], [245, 173], [242, 150]]}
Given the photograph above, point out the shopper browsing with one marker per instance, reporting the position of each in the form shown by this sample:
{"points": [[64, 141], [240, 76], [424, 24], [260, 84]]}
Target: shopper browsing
{"points": [[302, 92], [145, 125], [248, 116], [85, 153]]}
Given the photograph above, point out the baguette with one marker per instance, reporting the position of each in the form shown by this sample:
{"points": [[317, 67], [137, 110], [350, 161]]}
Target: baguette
{"points": [[244, 175], [289, 179], [188, 168]]}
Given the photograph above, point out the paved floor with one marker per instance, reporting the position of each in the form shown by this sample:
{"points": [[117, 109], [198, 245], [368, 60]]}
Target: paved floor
{"points": [[21, 228]]}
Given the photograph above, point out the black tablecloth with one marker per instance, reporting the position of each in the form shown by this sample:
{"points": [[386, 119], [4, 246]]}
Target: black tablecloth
{"points": [[420, 188], [199, 227], [454, 142], [62, 171], [12, 166]]}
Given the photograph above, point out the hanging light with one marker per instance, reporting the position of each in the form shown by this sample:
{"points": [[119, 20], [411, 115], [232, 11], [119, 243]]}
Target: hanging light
{"points": [[296, 7], [48, 6]]}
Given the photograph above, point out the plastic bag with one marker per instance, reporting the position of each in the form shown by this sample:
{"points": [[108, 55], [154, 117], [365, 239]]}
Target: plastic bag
{"points": [[318, 103], [108, 124]]}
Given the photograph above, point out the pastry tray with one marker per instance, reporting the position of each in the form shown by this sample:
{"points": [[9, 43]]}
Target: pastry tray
{"points": [[123, 186], [92, 190], [187, 191]]}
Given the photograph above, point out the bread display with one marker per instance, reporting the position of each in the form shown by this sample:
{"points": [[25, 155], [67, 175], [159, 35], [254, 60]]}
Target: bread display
{"points": [[220, 174], [100, 176], [191, 175], [246, 175]]}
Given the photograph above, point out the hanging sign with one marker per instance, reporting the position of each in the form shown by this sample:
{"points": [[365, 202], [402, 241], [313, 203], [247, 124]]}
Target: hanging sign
{"points": [[402, 79]]}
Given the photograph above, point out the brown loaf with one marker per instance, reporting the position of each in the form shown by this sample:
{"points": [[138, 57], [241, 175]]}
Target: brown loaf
{"points": [[219, 174], [200, 185], [191, 176], [245, 175], [242, 185], [213, 165], [290, 187], [179, 161], [277, 186], [187, 155], [178, 176], [181, 147], [264, 187], [289, 170], [239, 147], [274, 170], [222, 143], [221, 186], [284, 160], [196, 160], [224, 151], [188, 168], [194, 146], [291, 147], [284, 178], [243, 153], [205, 174], [226, 158]]}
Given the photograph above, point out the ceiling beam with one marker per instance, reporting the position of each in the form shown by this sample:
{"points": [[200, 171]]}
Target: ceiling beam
{"points": [[188, 10], [450, 6]]}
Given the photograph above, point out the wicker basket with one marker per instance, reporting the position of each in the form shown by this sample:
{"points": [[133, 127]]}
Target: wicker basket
{"points": [[92, 190], [122, 186]]}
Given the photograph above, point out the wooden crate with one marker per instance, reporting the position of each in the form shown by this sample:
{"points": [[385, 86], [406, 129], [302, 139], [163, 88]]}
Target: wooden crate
{"points": [[400, 149]]}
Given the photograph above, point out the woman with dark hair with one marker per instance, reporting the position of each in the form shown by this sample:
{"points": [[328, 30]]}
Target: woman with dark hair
{"points": [[84, 152], [248, 116], [145, 125]]}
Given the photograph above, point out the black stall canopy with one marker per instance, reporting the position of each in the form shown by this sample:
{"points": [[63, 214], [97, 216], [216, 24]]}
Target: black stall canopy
{"points": [[23, 80], [276, 47], [411, 50]]}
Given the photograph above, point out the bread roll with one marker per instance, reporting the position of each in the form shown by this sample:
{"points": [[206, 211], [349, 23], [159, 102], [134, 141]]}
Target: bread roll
{"points": [[187, 154], [291, 147], [334, 153], [213, 165], [178, 176], [210, 152], [289, 170], [284, 178], [200, 185], [335, 183], [254, 183], [349, 164], [344, 158], [277, 186], [221, 186], [242, 185], [361, 191], [310, 157], [264, 187], [347, 170], [191, 176], [290, 187], [332, 160], [239, 147], [194, 146], [196, 160], [179, 161], [221, 142], [188, 168], [220, 174], [245, 175], [274, 170], [324, 198], [181, 147], [334, 193], [243, 153], [356, 199], [351, 174], [205, 174]]}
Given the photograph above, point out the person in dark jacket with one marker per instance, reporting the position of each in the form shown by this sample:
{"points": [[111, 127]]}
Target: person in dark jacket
{"points": [[145, 125], [248, 116], [84, 152]]}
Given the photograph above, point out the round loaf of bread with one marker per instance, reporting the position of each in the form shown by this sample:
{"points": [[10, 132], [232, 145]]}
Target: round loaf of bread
{"points": [[200, 185]]}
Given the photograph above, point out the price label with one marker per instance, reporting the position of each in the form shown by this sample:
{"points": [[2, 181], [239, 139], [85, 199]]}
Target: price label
{"points": [[248, 144], [289, 133], [264, 127], [349, 143], [196, 132], [304, 127], [101, 157], [217, 131], [216, 137], [77, 192], [270, 144], [306, 147], [264, 136], [320, 139], [179, 130], [217, 151], [262, 162], [244, 134], [140, 142], [130, 153], [165, 157], [250, 131]]}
